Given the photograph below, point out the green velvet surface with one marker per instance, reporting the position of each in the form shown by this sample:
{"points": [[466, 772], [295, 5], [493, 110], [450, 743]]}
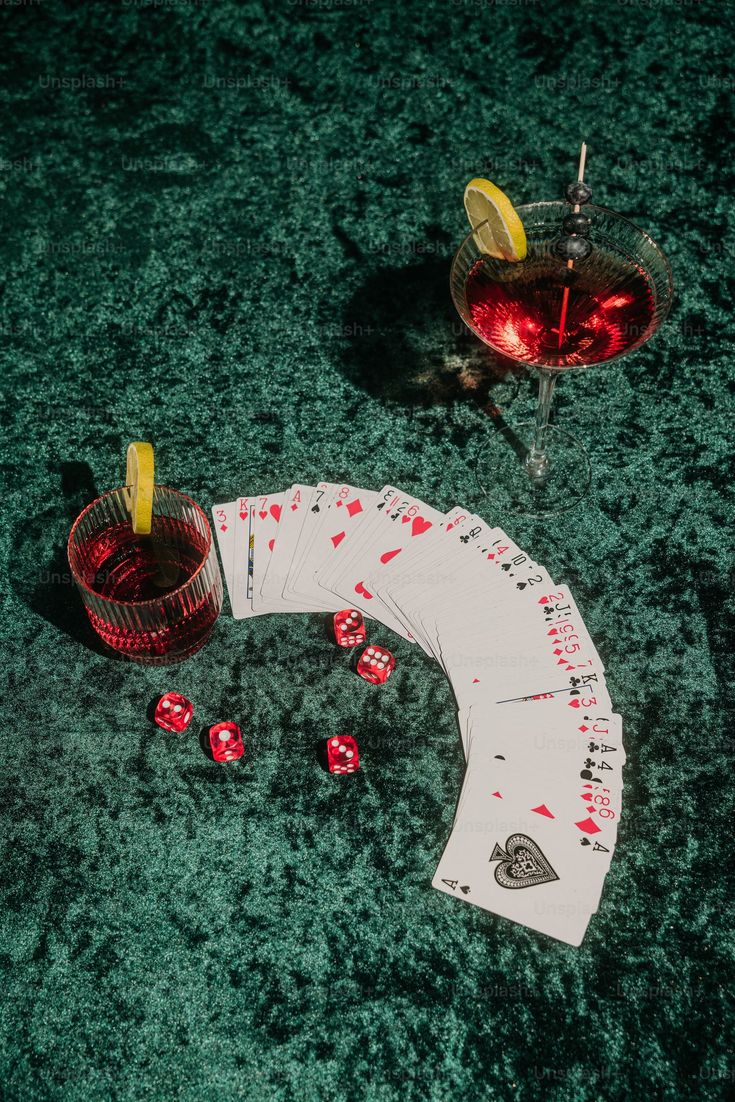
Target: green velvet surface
{"points": [[227, 228]]}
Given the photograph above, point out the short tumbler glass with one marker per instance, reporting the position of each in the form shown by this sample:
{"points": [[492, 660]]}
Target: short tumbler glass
{"points": [[151, 598]]}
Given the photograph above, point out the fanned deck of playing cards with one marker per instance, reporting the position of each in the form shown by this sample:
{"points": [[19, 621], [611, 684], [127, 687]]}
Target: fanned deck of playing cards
{"points": [[537, 817]]}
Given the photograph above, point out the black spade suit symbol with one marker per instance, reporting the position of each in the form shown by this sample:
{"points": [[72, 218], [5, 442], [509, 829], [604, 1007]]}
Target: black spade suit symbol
{"points": [[522, 864]]}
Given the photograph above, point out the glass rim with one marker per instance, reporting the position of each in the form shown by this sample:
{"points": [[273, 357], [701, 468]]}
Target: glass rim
{"points": [[470, 237], [152, 600], [469, 240]]}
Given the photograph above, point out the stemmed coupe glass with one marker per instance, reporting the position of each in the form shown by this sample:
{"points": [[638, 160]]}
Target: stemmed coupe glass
{"points": [[616, 299]]}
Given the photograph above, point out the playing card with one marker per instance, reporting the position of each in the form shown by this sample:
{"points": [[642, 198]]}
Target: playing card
{"points": [[315, 512], [223, 520], [336, 510], [242, 606], [397, 521], [266, 514], [500, 859], [346, 542], [231, 524], [295, 510], [419, 565], [590, 696]]}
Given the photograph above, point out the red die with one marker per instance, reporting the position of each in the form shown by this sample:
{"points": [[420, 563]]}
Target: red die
{"points": [[173, 712], [376, 664], [342, 755], [226, 742], [349, 627]]}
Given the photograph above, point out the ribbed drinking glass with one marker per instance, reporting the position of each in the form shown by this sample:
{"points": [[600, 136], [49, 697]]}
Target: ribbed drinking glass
{"points": [[152, 598]]}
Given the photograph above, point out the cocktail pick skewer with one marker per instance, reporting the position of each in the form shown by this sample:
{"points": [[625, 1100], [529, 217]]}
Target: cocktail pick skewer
{"points": [[570, 263]]}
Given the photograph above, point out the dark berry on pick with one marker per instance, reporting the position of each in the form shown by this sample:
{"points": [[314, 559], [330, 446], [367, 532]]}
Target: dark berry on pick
{"points": [[579, 192], [572, 248], [577, 223]]}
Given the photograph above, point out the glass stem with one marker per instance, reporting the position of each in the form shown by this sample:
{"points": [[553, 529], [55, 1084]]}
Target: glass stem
{"points": [[537, 461]]}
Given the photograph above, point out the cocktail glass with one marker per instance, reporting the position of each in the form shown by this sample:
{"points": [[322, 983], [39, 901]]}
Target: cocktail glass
{"points": [[150, 598], [618, 297]]}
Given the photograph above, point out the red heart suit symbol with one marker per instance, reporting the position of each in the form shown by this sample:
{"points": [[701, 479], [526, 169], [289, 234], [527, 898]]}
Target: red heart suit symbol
{"points": [[388, 555], [276, 512], [271, 544], [243, 515], [419, 525], [360, 588], [262, 514]]}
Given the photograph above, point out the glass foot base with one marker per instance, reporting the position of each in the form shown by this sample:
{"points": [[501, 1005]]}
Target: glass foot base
{"points": [[504, 478]]}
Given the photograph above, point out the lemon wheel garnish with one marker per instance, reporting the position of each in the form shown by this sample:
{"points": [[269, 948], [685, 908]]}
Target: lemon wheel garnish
{"points": [[498, 230], [139, 486]]}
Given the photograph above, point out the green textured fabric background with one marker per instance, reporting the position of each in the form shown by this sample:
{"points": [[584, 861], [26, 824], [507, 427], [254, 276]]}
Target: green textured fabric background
{"points": [[227, 228]]}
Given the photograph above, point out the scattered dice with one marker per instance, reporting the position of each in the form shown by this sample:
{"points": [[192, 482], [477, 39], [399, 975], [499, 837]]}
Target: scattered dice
{"points": [[376, 664], [349, 627], [342, 755], [226, 742], [173, 712]]}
